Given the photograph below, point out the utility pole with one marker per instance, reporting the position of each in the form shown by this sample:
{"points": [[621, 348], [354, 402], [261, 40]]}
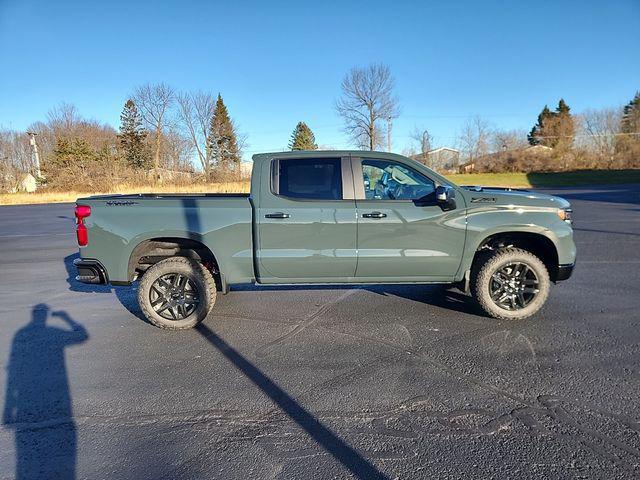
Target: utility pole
{"points": [[35, 156], [389, 134]]}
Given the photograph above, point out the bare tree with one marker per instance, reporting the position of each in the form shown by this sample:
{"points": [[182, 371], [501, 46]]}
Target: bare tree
{"points": [[600, 129], [195, 111], [474, 139], [422, 139], [367, 100], [65, 126], [178, 149], [154, 102], [63, 119], [15, 150], [507, 140], [242, 139], [15, 158]]}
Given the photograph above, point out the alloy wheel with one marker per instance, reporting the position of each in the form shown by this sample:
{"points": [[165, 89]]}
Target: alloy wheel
{"points": [[174, 296], [514, 286]]}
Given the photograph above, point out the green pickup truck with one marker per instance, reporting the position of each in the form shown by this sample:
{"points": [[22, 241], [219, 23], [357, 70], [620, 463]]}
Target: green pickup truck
{"points": [[328, 217]]}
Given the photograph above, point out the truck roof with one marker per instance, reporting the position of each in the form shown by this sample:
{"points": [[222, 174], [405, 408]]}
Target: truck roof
{"points": [[262, 157], [327, 153]]}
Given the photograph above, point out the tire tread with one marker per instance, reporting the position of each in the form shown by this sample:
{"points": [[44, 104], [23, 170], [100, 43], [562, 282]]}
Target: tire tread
{"points": [[198, 268], [485, 264]]}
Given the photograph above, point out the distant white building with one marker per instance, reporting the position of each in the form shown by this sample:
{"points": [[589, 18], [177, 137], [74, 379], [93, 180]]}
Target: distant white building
{"points": [[28, 184], [18, 182], [541, 149], [443, 159]]}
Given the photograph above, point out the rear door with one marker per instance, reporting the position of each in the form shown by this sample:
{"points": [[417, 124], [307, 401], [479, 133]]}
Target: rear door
{"points": [[307, 221], [399, 237]]}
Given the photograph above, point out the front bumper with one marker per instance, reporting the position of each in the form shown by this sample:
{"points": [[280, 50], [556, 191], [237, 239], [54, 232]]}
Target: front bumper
{"points": [[90, 271], [564, 272]]}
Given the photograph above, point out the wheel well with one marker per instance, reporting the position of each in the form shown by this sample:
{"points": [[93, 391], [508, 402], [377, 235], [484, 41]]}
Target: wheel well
{"points": [[154, 250], [538, 244]]}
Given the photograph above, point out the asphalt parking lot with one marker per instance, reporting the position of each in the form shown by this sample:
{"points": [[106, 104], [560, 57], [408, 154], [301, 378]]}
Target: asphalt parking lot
{"points": [[371, 382]]}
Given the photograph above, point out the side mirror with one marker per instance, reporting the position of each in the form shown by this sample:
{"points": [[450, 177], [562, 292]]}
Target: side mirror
{"points": [[446, 197]]}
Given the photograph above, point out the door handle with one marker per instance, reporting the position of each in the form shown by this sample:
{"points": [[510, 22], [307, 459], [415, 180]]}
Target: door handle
{"points": [[277, 215], [374, 215]]}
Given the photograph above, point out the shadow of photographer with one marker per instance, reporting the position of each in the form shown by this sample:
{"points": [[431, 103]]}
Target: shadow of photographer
{"points": [[38, 403]]}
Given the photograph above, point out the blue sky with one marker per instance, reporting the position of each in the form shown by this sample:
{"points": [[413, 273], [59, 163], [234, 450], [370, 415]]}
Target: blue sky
{"points": [[276, 63]]}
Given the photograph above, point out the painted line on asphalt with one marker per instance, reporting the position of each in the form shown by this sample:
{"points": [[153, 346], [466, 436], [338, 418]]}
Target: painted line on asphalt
{"points": [[608, 261]]}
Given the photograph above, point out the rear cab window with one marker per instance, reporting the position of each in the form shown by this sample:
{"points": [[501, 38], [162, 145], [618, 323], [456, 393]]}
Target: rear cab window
{"points": [[307, 178]]}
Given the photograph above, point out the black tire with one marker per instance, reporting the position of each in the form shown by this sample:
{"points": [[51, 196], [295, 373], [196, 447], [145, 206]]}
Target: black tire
{"points": [[510, 302], [161, 295]]}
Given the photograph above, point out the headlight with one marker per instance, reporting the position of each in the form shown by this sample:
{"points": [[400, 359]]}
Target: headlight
{"points": [[566, 215]]}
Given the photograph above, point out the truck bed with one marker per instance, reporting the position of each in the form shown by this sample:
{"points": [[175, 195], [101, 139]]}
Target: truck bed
{"points": [[133, 196], [220, 221]]}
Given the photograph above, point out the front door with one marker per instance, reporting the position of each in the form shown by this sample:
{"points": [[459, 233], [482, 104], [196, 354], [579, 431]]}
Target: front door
{"points": [[307, 221], [398, 237]]}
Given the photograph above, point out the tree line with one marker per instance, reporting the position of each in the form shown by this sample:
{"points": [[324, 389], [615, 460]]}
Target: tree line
{"points": [[164, 133], [607, 138], [158, 134], [559, 140], [206, 128]]}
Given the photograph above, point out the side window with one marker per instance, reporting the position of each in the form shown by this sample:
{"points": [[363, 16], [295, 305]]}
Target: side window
{"points": [[387, 180], [310, 178]]}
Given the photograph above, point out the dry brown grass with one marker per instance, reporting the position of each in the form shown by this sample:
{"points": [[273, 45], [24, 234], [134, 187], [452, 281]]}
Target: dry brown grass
{"points": [[71, 196]]}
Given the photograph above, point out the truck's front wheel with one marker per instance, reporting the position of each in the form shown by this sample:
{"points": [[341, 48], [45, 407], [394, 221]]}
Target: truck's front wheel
{"points": [[176, 293], [510, 284]]}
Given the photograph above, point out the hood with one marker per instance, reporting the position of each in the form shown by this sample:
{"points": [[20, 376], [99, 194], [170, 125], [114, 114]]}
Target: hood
{"points": [[510, 196]]}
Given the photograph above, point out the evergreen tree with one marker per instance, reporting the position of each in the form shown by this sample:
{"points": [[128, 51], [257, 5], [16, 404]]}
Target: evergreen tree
{"points": [[536, 131], [70, 163], [563, 108], [628, 146], [553, 129], [222, 138], [302, 138], [132, 136], [630, 122], [562, 127], [71, 153]]}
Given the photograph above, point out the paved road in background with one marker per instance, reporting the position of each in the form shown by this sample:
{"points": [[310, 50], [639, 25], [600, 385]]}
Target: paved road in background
{"points": [[388, 382]]}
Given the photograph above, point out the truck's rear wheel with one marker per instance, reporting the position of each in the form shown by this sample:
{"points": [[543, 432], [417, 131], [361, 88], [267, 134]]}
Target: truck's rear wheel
{"points": [[510, 284], [176, 293]]}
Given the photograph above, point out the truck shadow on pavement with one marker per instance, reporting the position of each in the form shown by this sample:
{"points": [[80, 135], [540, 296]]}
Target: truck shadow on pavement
{"points": [[344, 453], [38, 400], [434, 295], [125, 295]]}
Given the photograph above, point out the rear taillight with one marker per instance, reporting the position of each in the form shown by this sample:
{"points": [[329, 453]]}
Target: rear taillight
{"points": [[82, 212]]}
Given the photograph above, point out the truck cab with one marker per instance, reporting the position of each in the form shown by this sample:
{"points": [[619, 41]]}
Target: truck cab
{"points": [[353, 218]]}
